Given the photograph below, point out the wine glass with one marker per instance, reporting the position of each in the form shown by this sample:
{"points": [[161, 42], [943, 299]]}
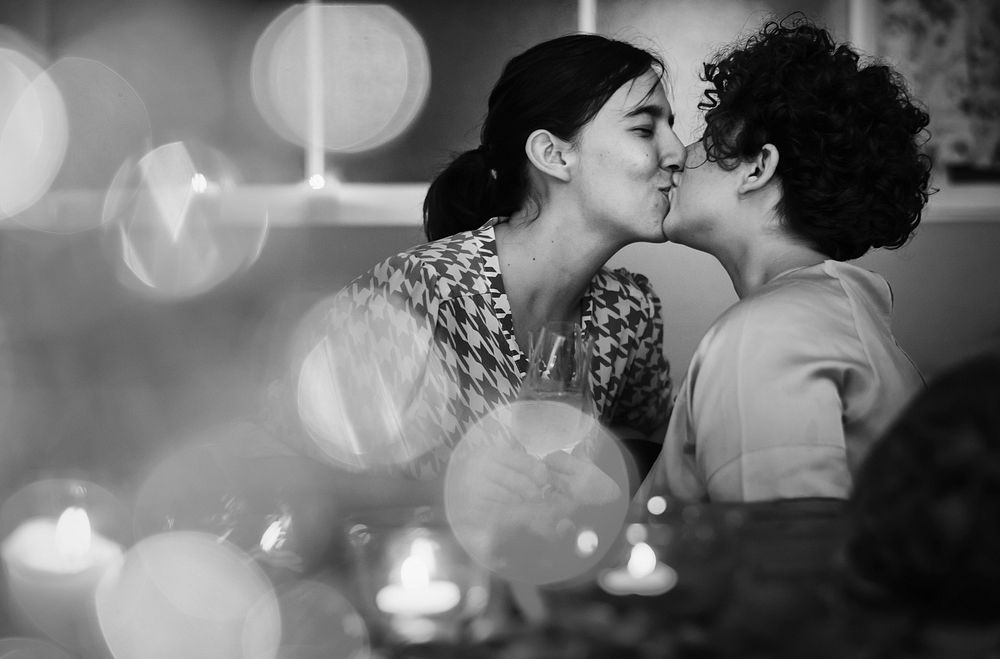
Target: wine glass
{"points": [[555, 408], [556, 525]]}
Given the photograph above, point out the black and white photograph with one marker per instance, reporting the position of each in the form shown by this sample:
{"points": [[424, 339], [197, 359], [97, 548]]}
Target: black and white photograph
{"points": [[534, 329]]}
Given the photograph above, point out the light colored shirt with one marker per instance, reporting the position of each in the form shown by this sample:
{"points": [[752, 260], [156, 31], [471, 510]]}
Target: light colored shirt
{"points": [[787, 391]]}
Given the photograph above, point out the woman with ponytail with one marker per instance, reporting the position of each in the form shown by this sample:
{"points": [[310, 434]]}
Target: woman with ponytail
{"points": [[577, 160]]}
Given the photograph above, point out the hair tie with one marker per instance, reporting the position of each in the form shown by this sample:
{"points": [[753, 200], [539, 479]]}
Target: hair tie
{"points": [[487, 152]]}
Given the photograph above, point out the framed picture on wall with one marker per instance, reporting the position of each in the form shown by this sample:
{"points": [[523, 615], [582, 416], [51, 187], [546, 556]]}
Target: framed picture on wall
{"points": [[949, 52]]}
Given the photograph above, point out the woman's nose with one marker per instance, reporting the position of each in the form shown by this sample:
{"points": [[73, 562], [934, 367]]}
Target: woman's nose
{"points": [[674, 155], [673, 159]]}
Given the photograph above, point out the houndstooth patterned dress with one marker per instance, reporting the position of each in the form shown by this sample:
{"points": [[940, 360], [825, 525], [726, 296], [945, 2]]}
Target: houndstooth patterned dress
{"points": [[433, 326]]}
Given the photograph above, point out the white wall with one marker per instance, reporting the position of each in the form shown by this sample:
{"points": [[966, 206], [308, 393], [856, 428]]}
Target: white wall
{"points": [[945, 281], [693, 288]]}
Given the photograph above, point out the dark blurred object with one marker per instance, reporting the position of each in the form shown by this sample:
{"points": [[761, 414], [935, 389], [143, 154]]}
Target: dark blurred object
{"points": [[759, 577], [973, 174], [924, 532], [783, 602], [791, 538]]}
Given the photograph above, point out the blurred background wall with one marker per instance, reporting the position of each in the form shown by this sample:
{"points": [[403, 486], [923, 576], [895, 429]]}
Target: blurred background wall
{"points": [[98, 377]]}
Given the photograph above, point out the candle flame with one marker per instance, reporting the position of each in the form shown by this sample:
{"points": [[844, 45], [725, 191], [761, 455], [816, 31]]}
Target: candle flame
{"points": [[199, 183], [641, 561], [276, 533], [413, 573], [272, 536], [424, 549], [73, 532]]}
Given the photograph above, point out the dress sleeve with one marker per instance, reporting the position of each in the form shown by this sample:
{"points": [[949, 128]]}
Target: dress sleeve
{"points": [[644, 403], [376, 391], [765, 408]]}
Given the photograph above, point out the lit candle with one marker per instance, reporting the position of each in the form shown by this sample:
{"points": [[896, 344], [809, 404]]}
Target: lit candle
{"points": [[416, 594], [53, 569], [644, 574]]}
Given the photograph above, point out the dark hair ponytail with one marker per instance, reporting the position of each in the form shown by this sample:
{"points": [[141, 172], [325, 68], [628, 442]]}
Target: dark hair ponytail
{"points": [[461, 196], [558, 85]]}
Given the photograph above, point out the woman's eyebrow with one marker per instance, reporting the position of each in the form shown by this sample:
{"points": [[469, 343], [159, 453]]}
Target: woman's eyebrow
{"points": [[652, 110]]}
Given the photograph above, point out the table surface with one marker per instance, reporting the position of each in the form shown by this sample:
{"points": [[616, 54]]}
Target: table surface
{"points": [[770, 550], [773, 586], [768, 582]]}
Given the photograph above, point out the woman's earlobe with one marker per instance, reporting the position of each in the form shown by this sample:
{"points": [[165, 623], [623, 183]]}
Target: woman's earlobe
{"points": [[752, 181], [763, 168], [548, 154]]}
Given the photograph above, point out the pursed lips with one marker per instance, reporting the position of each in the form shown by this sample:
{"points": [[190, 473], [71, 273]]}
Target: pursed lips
{"points": [[669, 190], [670, 184]]}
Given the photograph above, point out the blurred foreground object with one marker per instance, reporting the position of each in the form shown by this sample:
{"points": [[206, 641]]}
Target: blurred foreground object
{"points": [[346, 78], [925, 509], [169, 207]]}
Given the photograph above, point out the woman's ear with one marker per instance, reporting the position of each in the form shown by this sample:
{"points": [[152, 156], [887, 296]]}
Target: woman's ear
{"points": [[549, 154], [760, 170]]}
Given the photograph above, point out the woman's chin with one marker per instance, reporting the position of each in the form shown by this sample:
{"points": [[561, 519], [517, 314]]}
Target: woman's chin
{"points": [[669, 227]]}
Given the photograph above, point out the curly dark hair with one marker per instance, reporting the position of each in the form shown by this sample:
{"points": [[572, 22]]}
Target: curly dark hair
{"points": [[924, 531], [848, 138]]}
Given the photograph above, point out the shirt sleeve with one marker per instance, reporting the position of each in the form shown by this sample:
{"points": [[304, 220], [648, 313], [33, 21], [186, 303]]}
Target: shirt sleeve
{"points": [[644, 403], [372, 390], [765, 408]]}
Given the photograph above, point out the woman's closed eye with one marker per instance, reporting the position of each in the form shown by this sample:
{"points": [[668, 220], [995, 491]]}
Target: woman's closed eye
{"points": [[644, 131]]}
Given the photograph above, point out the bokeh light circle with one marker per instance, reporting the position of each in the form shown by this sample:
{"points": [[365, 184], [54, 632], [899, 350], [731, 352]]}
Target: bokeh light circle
{"points": [[107, 124], [34, 132], [186, 594], [347, 77], [195, 488], [656, 505], [235, 482], [171, 209], [529, 517], [349, 393], [317, 621]]}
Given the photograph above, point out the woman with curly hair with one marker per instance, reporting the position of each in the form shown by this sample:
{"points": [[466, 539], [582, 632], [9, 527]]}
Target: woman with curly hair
{"points": [[809, 159]]}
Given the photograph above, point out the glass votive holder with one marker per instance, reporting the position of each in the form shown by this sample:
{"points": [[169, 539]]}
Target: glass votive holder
{"points": [[683, 552], [636, 568], [414, 581], [60, 537]]}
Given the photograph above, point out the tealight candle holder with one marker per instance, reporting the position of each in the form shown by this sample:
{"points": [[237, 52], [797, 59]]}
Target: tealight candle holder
{"points": [[639, 570], [415, 582], [60, 538], [684, 552]]}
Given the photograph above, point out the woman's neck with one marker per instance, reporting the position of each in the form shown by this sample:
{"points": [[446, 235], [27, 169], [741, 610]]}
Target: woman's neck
{"points": [[547, 266], [752, 266]]}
